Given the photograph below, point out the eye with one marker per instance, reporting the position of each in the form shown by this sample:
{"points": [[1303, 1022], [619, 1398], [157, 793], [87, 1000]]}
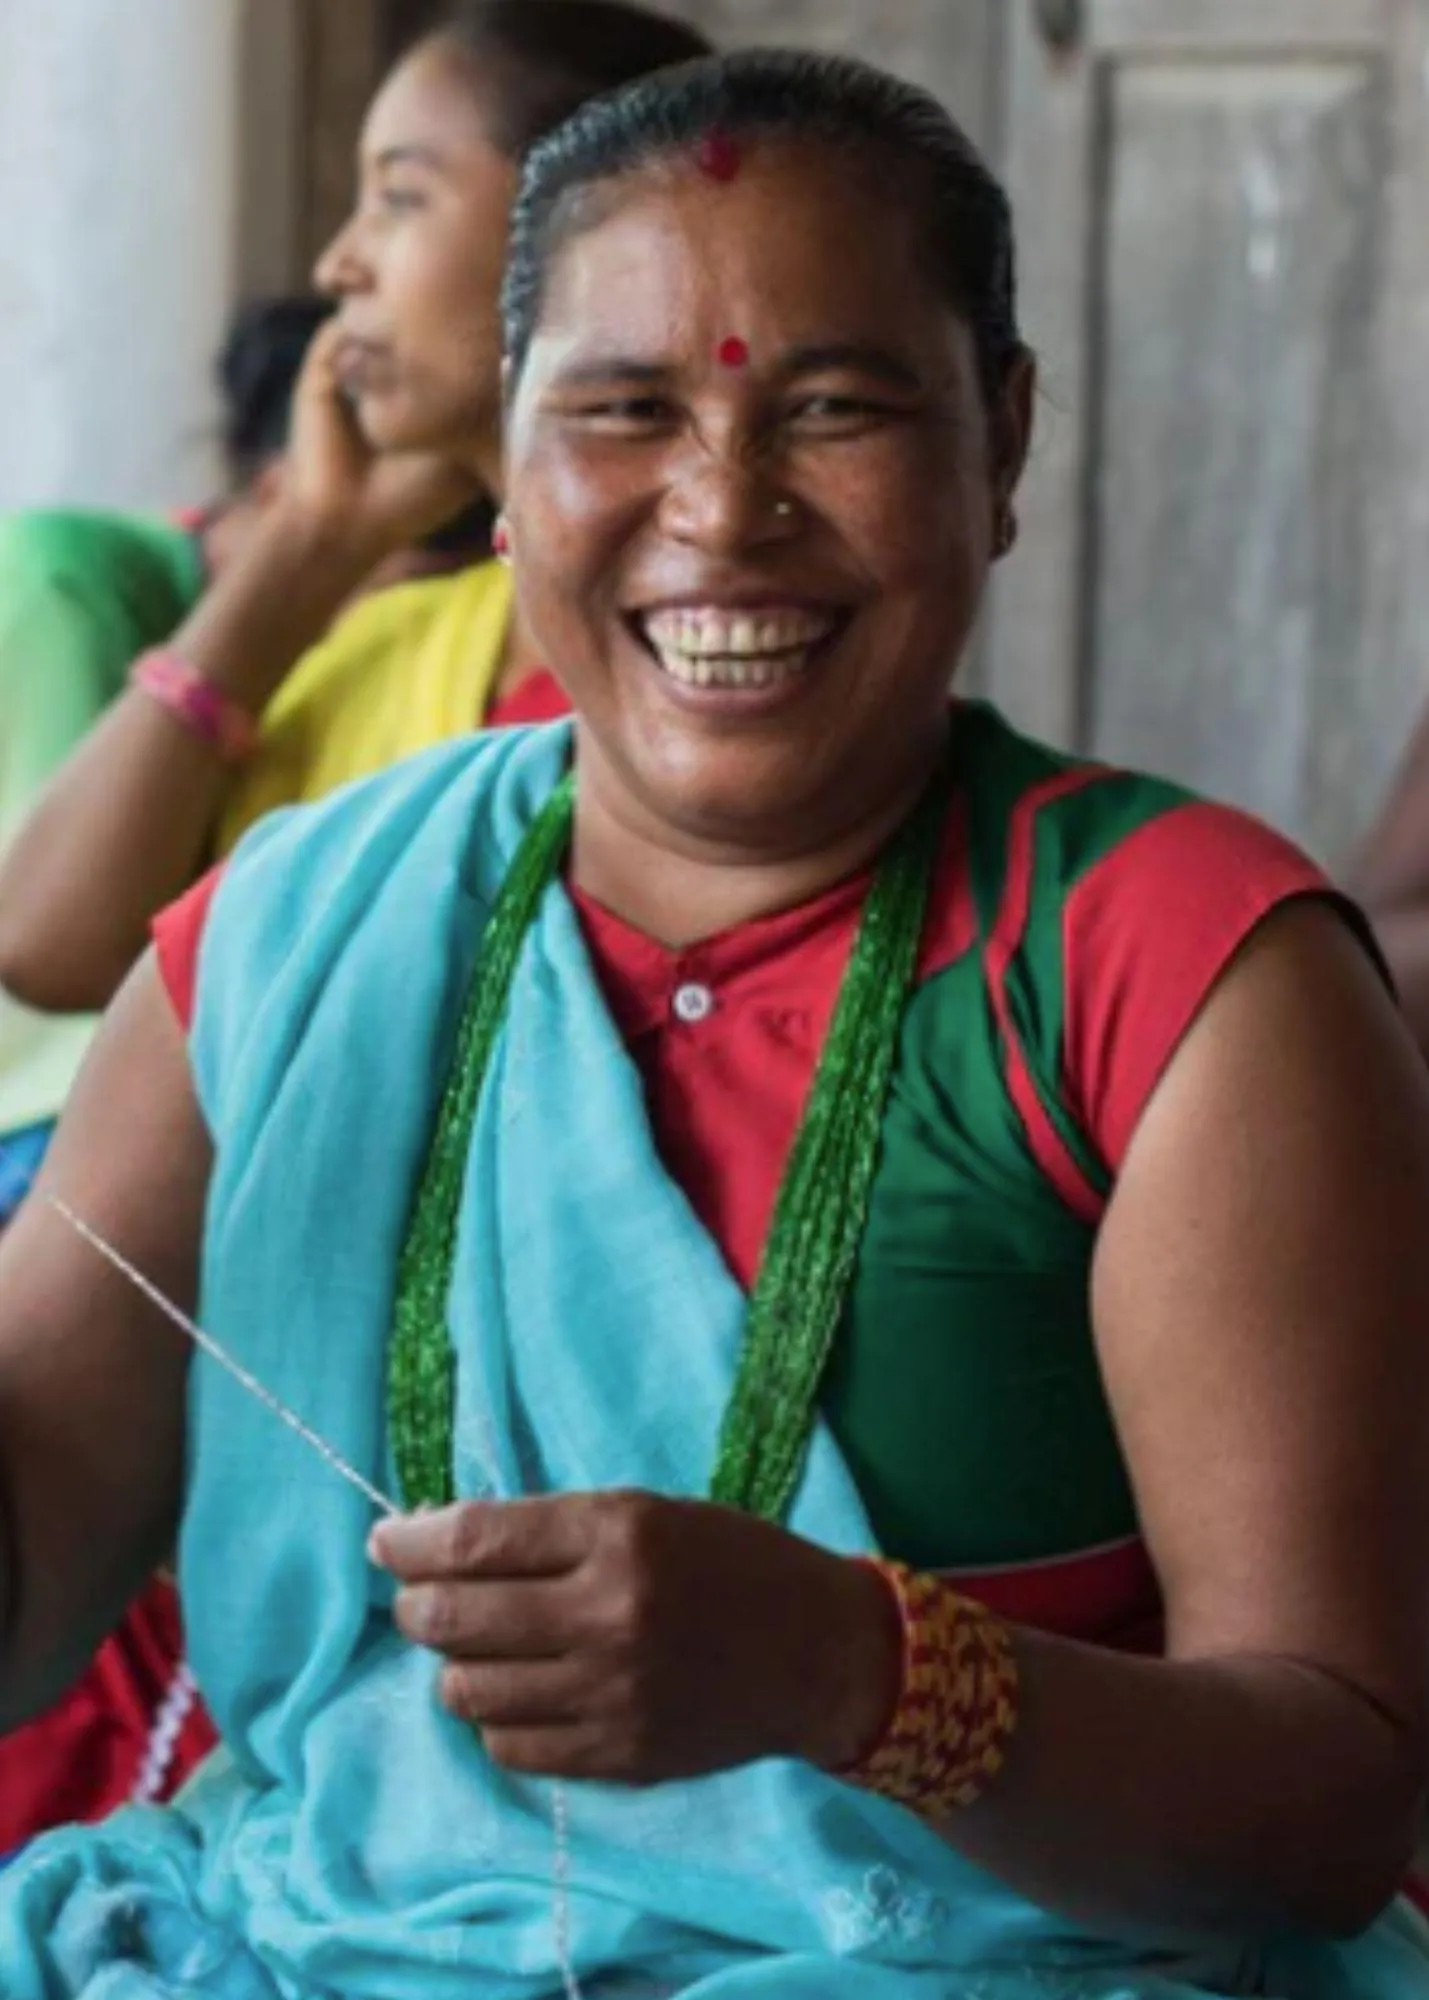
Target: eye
{"points": [[629, 415], [832, 415], [400, 200]]}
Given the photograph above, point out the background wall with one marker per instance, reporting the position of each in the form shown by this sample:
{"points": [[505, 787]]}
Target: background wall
{"points": [[133, 217]]}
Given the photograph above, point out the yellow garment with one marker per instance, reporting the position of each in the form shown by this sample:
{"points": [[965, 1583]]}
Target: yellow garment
{"points": [[404, 669]]}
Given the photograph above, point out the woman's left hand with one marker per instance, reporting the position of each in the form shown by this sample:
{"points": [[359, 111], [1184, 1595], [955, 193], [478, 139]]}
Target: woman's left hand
{"points": [[623, 1637]]}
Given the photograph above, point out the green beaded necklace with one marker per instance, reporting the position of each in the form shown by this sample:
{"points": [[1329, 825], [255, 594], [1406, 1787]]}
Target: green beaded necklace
{"points": [[819, 1214]]}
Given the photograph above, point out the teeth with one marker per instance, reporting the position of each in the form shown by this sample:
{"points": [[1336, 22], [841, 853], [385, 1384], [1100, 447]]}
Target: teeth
{"points": [[730, 672], [707, 647], [708, 634]]}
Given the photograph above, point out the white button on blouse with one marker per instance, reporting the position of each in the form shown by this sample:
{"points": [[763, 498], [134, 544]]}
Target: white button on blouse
{"points": [[693, 1004]]}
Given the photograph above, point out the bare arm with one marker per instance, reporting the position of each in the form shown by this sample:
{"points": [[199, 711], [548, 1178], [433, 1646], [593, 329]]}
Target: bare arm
{"points": [[1261, 1299], [92, 1379], [128, 822]]}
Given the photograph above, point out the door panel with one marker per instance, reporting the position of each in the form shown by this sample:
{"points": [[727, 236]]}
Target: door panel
{"points": [[1221, 574]]}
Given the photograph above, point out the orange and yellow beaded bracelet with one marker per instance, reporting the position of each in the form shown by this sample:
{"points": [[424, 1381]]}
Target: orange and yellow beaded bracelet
{"points": [[957, 1705]]}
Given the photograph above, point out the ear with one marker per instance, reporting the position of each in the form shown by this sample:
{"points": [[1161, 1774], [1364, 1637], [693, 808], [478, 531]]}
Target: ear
{"points": [[1012, 421]]}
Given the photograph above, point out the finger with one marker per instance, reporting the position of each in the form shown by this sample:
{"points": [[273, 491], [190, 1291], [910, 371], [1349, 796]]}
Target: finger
{"points": [[319, 369], [549, 1536], [541, 1694], [525, 1620]]}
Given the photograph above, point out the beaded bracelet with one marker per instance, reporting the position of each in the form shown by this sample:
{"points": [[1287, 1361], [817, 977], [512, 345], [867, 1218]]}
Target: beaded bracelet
{"points": [[196, 703], [957, 1706]]}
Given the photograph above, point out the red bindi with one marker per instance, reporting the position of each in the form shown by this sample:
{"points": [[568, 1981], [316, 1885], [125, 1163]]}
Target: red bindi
{"points": [[718, 156], [733, 352]]}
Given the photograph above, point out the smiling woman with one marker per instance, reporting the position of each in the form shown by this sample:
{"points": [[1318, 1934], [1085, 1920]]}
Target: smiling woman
{"points": [[883, 1264]]}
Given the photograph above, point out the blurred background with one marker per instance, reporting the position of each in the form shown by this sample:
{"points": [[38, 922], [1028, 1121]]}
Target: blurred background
{"points": [[1224, 568]]}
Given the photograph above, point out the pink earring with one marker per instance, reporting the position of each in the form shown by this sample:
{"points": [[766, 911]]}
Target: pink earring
{"points": [[501, 539]]}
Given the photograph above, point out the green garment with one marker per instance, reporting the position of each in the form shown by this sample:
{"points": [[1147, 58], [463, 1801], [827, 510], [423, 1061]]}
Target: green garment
{"points": [[81, 596]]}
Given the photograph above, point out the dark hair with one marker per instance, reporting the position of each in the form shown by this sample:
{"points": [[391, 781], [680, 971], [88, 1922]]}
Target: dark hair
{"points": [[258, 368], [546, 58], [896, 132]]}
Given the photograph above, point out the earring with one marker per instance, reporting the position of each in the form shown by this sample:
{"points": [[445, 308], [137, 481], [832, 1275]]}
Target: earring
{"points": [[501, 539], [1004, 533]]}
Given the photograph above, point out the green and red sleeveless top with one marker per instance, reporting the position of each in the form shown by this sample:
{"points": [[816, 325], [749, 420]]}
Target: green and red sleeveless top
{"points": [[1079, 918]]}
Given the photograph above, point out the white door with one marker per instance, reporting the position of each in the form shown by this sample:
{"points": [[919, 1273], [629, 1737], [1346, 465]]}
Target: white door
{"points": [[1224, 214]]}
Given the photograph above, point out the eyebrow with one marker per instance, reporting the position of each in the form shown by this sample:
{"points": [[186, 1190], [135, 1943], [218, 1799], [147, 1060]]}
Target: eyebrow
{"points": [[852, 356], [611, 368], [858, 357], [410, 156]]}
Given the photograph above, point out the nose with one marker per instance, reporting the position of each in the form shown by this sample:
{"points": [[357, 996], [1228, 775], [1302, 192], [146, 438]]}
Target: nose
{"points": [[343, 268], [725, 502]]}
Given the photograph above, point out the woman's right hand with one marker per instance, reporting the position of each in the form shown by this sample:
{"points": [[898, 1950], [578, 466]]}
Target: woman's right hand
{"points": [[369, 502]]}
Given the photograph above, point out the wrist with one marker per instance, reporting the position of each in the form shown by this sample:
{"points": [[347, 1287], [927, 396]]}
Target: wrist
{"points": [[861, 1671], [947, 1734], [211, 717], [272, 603], [332, 542]]}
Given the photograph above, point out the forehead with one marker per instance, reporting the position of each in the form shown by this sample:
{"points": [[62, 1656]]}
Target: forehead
{"points": [[430, 100], [804, 244]]}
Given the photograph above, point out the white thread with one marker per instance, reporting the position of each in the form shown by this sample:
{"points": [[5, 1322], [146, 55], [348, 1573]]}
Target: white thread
{"points": [[175, 1710], [225, 1360], [562, 1927]]}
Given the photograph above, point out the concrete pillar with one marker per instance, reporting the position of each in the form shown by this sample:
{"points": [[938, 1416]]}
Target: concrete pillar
{"points": [[131, 132]]}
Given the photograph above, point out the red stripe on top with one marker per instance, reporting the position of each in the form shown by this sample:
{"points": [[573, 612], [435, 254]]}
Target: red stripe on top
{"points": [[1107, 1597], [84, 1757], [178, 939], [1048, 1149], [1147, 933], [536, 697]]}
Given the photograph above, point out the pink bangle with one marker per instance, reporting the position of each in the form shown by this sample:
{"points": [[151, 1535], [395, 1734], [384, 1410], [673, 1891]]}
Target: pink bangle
{"points": [[197, 704]]}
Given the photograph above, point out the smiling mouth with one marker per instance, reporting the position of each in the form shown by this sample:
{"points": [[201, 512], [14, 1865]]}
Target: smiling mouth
{"points": [[740, 650]]}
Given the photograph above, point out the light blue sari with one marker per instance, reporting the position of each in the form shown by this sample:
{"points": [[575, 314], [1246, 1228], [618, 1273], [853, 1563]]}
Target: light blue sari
{"points": [[353, 1842]]}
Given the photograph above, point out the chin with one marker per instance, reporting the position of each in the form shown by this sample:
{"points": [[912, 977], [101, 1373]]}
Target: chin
{"points": [[389, 424], [735, 790]]}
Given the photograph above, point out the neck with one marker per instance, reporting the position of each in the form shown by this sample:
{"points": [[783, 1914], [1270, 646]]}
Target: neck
{"points": [[680, 889]]}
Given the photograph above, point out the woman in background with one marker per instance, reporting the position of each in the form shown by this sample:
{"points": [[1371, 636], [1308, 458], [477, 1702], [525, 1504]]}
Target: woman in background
{"points": [[398, 427], [82, 595]]}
